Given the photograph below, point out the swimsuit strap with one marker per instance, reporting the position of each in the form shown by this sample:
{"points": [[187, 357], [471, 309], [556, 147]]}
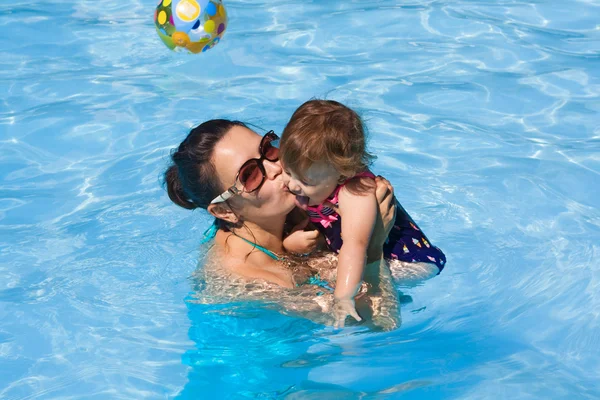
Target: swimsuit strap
{"points": [[336, 192], [263, 249], [367, 174], [333, 199], [211, 232], [316, 280]]}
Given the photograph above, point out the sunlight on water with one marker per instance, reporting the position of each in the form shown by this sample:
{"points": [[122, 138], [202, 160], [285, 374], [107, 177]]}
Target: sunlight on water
{"points": [[484, 115]]}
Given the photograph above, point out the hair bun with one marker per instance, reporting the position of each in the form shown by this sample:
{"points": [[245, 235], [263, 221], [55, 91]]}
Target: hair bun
{"points": [[175, 189]]}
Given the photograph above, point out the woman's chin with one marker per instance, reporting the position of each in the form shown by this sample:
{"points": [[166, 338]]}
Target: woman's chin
{"points": [[288, 201], [283, 200]]}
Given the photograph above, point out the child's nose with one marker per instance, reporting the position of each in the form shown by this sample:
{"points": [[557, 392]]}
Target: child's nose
{"points": [[293, 186]]}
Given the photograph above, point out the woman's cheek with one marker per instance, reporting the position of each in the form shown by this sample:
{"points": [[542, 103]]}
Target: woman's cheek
{"points": [[269, 194], [282, 198]]}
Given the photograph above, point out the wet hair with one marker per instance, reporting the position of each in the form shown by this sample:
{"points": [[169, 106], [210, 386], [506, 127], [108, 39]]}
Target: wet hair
{"points": [[192, 180], [325, 131]]}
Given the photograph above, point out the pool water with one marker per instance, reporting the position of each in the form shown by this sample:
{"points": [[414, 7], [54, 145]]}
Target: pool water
{"points": [[483, 114]]}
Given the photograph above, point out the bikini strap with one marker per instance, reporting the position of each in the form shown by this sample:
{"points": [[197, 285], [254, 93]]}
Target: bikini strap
{"points": [[211, 232], [259, 247]]}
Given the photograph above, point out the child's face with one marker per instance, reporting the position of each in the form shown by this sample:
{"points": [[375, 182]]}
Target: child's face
{"points": [[319, 182]]}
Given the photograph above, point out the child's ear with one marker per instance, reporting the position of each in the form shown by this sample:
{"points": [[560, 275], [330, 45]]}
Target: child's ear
{"points": [[224, 212]]}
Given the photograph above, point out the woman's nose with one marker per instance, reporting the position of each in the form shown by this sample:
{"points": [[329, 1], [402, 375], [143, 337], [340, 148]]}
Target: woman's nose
{"points": [[272, 168]]}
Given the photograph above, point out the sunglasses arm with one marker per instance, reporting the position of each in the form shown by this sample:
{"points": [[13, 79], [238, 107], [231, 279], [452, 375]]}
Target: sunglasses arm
{"points": [[226, 195]]}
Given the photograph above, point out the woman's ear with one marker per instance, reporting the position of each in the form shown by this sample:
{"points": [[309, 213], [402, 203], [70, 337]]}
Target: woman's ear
{"points": [[224, 212]]}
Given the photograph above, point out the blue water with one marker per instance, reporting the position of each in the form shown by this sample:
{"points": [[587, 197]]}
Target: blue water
{"points": [[484, 115]]}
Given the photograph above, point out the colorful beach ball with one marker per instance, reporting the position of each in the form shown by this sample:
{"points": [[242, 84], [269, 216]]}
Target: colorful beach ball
{"points": [[193, 25]]}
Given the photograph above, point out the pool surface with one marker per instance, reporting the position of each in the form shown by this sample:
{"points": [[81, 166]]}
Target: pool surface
{"points": [[483, 114]]}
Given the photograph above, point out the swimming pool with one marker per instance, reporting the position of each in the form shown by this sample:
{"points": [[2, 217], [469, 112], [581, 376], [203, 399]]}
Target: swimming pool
{"points": [[484, 115]]}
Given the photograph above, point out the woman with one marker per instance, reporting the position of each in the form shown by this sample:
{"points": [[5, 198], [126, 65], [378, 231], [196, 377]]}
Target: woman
{"points": [[235, 174]]}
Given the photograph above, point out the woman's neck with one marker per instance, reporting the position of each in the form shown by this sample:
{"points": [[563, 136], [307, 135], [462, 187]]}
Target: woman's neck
{"points": [[268, 235]]}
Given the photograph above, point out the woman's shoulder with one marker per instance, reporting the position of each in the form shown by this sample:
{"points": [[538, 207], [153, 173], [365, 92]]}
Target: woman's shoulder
{"points": [[218, 284], [246, 263]]}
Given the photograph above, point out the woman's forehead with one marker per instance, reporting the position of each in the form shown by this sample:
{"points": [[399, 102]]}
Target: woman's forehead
{"points": [[239, 140], [237, 146]]}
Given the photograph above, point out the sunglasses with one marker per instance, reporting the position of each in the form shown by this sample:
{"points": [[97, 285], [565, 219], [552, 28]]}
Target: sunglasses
{"points": [[252, 173]]}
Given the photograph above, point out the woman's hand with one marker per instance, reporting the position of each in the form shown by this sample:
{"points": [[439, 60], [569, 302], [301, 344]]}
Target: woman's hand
{"points": [[385, 218]]}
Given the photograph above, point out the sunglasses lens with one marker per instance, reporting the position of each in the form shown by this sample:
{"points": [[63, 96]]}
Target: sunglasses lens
{"points": [[251, 176], [269, 146], [271, 152]]}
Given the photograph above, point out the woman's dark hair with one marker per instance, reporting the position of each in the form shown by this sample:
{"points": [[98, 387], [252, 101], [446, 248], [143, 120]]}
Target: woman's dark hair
{"points": [[192, 180]]}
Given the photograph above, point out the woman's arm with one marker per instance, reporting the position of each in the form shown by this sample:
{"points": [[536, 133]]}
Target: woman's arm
{"points": [[382, 297]]}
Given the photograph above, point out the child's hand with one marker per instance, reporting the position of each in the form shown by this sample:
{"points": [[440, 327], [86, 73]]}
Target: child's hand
{"points": [[341, 309], [300, 241]]}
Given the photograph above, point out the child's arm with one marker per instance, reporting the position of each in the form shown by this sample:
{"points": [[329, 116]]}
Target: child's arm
{"points": [[300, 236], [359, 213], [301, 241]]}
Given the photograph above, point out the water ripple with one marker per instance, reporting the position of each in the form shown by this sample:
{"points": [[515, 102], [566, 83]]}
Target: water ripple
{"points": [[483, 115]]}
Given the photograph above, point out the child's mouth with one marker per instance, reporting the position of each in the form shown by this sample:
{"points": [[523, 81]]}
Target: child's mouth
{"points": [[302, 202]]}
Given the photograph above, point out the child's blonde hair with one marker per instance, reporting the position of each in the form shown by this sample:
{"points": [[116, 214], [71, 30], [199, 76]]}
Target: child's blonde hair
{"points": [[325, 131]]}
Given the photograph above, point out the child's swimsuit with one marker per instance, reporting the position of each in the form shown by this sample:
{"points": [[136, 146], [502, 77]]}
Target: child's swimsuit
{"points": [[406, 242]]}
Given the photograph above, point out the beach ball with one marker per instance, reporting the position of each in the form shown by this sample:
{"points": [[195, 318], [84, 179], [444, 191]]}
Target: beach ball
{"points": [[190, 25]]}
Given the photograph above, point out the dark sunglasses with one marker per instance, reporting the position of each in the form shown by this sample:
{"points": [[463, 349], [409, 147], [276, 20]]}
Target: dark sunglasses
{"points": [[252, 173]]}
